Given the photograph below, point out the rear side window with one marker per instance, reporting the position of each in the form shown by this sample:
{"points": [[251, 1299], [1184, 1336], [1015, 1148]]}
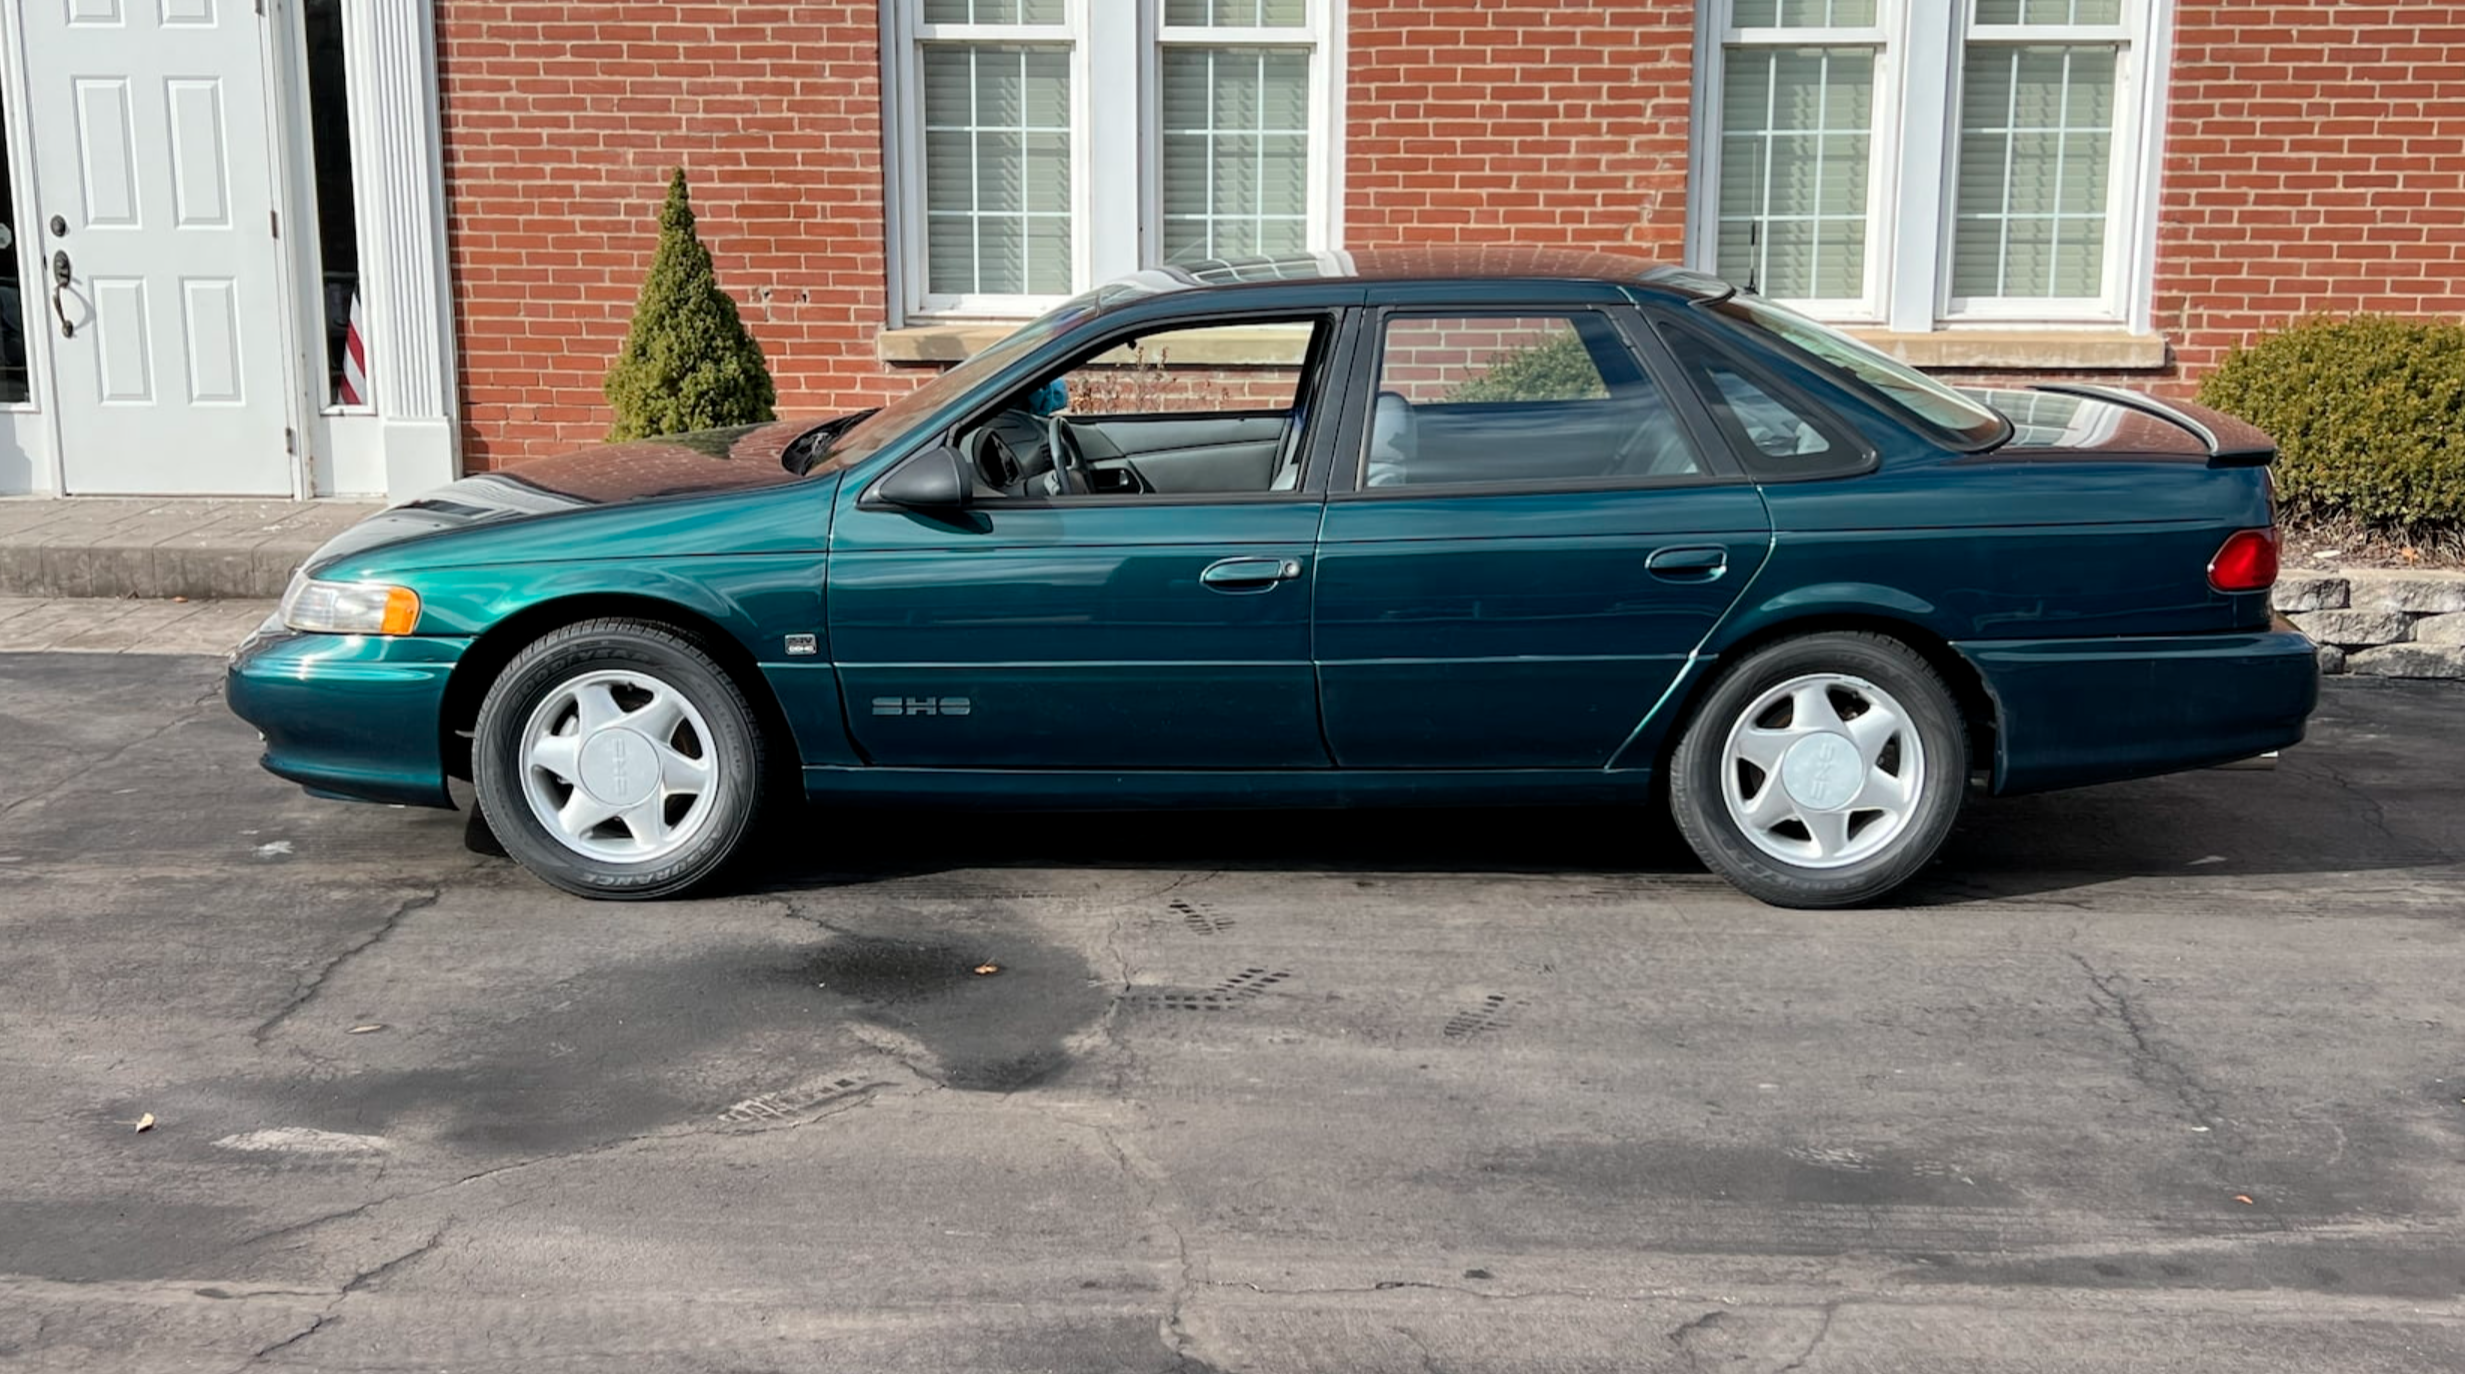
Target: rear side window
{"points": [[1513, 400], [1778, 438]]}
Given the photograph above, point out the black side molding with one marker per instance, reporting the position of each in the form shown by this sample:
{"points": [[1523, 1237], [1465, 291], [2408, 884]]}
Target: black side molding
{"points": [[2231, 443]]}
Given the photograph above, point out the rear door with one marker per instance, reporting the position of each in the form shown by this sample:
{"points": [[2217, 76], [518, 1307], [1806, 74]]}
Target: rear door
{"points": [[1539, 530]]}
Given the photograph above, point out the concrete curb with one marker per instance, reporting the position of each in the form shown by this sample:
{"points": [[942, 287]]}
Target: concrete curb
{"points": [[155, 548]]}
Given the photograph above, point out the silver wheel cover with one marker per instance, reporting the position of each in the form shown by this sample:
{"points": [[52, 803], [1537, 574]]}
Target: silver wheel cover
{"points": [[619, 767], [1823, 770]]}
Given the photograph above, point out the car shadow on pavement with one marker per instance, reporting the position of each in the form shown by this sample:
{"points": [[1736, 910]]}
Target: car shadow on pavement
{"points": [[2371, 790]]}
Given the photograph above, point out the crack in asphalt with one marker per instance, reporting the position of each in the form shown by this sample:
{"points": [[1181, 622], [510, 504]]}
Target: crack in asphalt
{"points": [[368, 1276], [1393, 1285], [1681, 1336], [2366, 807], [314, 1326], [303, 994], [2152, 1061], [2161, 1066], [1822, 1333], [583, 1152], [1429, 1362], [1147, 1190], [195, 709]]}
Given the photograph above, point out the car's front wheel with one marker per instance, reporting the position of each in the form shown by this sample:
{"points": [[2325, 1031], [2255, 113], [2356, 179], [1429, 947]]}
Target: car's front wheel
{"points": [[616, 758], [1822, 771]]}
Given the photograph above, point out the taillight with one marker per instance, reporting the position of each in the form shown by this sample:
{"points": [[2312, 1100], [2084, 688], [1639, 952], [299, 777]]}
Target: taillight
{"points": [[2247, 563]]}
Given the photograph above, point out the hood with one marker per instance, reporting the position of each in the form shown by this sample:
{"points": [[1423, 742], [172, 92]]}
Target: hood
{"points": [[741, 458]]}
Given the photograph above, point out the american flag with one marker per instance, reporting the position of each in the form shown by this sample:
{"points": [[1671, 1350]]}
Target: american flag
{"points": [[355, 358]]}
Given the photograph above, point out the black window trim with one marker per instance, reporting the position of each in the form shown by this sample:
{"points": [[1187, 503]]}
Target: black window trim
{"points": [[1717, 466], [1858, 456]]}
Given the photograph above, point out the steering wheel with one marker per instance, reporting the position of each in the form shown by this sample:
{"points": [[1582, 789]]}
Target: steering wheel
{"points": [[1071, 476]]}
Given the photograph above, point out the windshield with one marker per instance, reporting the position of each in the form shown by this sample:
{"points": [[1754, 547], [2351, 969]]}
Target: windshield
{"points": [[1969, 423], [888, 423]]}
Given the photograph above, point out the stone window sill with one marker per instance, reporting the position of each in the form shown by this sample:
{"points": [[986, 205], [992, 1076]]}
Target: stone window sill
{"points": [[2039, 349]]}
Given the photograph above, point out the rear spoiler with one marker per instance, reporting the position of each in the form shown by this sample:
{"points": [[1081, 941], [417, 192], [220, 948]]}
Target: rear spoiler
{"points": [[2231, 443]]}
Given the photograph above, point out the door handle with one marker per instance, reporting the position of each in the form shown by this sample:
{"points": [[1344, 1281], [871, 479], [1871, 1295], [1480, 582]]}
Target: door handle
{"points": [[1690, 563], [1249, 574], [59, 284]]}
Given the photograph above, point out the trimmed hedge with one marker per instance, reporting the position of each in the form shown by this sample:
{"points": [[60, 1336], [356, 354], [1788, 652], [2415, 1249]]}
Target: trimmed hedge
{"points": [[688, 362], [2369, 413], [1558, 368]]}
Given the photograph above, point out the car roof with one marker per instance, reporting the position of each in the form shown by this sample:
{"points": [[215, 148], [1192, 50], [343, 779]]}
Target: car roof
{"points": [[1434, 265]]}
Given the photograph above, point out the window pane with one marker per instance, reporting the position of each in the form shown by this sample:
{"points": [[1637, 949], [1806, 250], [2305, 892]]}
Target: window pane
{"points": [[997, 164], [1235, 152], [1483, 399], [1236, 13], [1769, 425], [2049, 11], [13, 388], [337, 241], [1796, 157], [1803, 14], [1229, 392], [2036, 156], [993, 11]]}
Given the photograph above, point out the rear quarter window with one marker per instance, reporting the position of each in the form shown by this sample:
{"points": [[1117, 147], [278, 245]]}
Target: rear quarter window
{"points": [[1777, 434]]}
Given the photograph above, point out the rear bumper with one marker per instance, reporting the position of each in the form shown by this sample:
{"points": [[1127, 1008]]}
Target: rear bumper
{"points": [[2077, 711], [353, 716]]}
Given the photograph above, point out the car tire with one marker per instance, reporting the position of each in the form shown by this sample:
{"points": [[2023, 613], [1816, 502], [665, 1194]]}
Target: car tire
{"points": [[617, 759], [1821, 771]]}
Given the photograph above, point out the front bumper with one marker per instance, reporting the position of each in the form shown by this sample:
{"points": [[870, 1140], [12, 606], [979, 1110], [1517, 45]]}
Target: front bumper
{"points": [[352, 716], [2076, 711]]}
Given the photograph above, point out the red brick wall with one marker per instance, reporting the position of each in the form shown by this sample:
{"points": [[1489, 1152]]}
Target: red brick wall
{"points": [[561, 122], [1544, 122], [2315, 162]]}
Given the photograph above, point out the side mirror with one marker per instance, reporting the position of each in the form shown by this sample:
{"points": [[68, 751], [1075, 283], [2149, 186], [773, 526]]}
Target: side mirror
{"points": [[934, 480]]}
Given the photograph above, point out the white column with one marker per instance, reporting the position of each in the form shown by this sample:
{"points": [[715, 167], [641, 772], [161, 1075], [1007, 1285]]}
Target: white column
{"points": [[1922, 193], [398, 170]]}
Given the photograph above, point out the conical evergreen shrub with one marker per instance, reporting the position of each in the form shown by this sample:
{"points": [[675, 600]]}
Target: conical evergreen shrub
{"points": [[688, 362]]}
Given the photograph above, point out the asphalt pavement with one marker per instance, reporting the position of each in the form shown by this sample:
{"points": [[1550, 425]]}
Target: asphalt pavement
{"points": [[2162, 1076]]}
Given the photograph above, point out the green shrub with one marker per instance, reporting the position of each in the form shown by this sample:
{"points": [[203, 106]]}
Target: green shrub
{"points": [[2370, 415], [1558, 368], [688, 362]]}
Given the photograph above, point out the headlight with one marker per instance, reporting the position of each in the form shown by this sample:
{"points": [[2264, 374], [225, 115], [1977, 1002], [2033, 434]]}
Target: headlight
{"points": [[356, 608]]}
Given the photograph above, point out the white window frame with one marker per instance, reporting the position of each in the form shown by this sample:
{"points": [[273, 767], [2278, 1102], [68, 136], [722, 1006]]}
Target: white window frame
{"points": [[1913, 182], [1115, 221]]}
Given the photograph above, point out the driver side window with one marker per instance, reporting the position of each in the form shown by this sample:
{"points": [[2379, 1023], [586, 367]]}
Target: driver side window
{"points": [[1215, 408]]}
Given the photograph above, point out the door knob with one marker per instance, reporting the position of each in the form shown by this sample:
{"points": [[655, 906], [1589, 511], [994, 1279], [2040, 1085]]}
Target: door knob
{"points": [[59, 285]]}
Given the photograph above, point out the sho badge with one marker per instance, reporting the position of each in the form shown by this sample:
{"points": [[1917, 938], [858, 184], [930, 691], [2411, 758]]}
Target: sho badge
{"points": [[922, 706]]}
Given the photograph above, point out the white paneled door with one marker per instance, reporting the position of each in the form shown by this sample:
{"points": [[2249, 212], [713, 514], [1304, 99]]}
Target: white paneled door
{"points": [[154, 198]]}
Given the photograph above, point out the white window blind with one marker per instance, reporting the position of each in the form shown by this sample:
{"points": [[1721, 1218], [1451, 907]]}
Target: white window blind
{"points": [[1039, 147], [997, 169], [1872, 163], [2039, 119]]}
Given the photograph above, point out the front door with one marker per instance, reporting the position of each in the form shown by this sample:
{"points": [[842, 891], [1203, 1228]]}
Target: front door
{"points": [[153, 198], [1147, 606]]}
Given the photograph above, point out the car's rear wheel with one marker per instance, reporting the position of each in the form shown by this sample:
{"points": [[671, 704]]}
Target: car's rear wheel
{"points": [[616, 758], [1821, 771]]}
